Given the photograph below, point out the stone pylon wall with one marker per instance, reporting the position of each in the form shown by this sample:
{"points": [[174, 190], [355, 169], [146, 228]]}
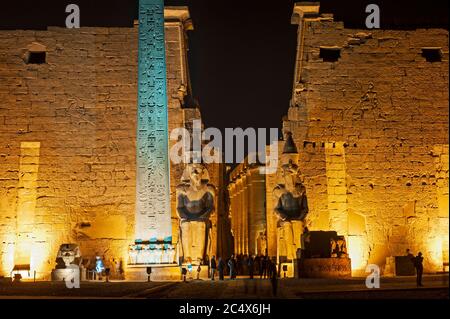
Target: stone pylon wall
{"points": [[81, 107], [385, 108]]}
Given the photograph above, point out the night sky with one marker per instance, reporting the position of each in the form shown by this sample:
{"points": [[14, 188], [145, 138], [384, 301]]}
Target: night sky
{"points": [[242, 52]]}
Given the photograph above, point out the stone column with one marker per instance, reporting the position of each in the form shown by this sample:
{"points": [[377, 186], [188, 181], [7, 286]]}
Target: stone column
{"points": [[238, 216], [233, 199], [251, 245], [245, 212], [257, 214], [241, 215], [247, 191], [271, 219]]}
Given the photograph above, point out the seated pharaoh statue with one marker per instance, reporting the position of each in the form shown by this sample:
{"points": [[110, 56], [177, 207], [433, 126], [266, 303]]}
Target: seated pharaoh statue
{"points": [[195, 204], [291, 203]]}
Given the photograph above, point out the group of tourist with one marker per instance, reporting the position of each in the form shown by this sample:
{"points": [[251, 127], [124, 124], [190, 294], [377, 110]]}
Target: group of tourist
{"points": [[242, 265]]}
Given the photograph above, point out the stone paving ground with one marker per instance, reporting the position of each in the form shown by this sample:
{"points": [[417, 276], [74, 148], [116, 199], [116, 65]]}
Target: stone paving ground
{"points": [[435, 287]]}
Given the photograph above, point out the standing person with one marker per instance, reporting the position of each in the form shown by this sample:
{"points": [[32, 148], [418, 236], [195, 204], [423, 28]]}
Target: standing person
{"points": [[273, 277], [418, 263], [232, 266], [251, 267], [238, 264], [258, 264], [264, 267], [221, 268], [244, 265], [199, 269], [213, 266]]}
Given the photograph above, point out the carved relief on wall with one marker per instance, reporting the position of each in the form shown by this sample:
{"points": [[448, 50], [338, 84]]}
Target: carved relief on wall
{"points": [[367, 107]]}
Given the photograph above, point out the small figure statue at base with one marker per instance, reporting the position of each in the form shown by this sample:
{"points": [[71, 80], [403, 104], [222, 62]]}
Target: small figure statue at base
{"points": [[261, 243], [338, 247]]}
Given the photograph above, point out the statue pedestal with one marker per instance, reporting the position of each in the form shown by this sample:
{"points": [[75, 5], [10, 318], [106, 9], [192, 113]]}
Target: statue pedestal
{"points": [[159, 272], [61, 274], [151, 253], [170, 272], [160, 257], [325, 268]]}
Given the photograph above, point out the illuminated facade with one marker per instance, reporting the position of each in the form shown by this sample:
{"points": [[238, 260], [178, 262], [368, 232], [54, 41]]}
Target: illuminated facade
{"points": [[369, 112], [68, 141], [369, 115]]}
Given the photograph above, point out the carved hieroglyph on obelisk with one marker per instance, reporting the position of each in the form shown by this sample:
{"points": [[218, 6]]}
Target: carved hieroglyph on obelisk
{"points": [[153, 216]]}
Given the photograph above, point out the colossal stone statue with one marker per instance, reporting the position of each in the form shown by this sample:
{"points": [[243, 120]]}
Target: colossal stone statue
{"points": [[195, 203], [291, 203]]}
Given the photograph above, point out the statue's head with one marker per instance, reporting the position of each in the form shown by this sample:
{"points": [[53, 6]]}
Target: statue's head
{"points": [[68, 253], [288, 170], [195, 173]]}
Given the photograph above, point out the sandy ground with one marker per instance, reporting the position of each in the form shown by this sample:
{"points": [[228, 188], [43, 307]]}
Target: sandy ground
{"points": [[435, 287]]}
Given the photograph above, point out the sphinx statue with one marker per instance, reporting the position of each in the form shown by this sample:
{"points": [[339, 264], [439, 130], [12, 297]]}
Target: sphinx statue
{"points": [[68, 264], [291, 203], [195, 204]]}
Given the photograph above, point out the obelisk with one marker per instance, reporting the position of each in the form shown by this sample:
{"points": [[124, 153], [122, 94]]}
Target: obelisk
{"points": [[153, 215]]}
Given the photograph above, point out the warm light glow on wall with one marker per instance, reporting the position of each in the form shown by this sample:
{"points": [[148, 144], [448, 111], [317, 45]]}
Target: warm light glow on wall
{"points": [[40, 260], [7, 260], [356, 252], [435, 253], [26, 202]]}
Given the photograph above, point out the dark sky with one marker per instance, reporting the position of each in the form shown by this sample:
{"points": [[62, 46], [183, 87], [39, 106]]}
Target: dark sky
{"points": [[241, 52]]}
